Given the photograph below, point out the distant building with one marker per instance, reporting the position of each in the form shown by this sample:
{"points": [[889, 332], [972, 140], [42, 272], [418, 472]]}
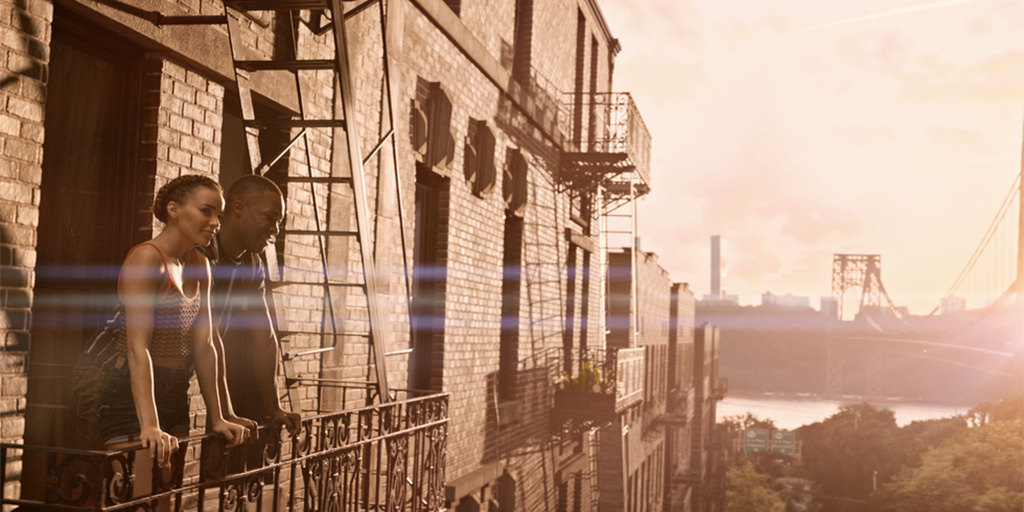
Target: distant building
{"points": [[829, 306], [953, 304], [787, 300], [716, 266], [658, 455], [636, 476], [682, 391], [723, 298], [708, 389]]}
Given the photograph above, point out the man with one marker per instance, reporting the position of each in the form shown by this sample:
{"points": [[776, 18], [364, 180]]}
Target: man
{"points": [[254, 208]]}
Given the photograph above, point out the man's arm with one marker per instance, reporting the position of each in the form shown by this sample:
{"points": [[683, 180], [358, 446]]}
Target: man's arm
{"points": [[265, 357], [222, 387], [207, 367]]}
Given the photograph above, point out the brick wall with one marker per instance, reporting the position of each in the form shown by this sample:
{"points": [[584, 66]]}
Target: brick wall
{"points": [[182, 114], [182, 120], [24, 50], [474, 259], [653, 305]]}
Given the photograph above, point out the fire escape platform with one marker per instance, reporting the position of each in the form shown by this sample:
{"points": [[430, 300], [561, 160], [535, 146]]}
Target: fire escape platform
{"points": [[609, 147], [606, 384]]}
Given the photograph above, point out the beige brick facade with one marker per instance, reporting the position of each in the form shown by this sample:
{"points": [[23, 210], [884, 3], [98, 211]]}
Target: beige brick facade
{"points": [[179, 114], [25, 51]]}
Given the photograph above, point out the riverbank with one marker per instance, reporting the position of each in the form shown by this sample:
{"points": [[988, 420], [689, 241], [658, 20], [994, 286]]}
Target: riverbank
{"points": [[790, 411]]}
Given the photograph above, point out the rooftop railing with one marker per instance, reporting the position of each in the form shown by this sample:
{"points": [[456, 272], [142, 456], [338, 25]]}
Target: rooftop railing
{"points": [[387, 457]]}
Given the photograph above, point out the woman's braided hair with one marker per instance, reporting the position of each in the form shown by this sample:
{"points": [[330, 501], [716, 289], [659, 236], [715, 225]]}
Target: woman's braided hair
{"points": [[178, 190]]}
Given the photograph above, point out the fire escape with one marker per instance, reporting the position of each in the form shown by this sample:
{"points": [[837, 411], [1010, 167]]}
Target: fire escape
{"points": [[607, 161], [606, 164]]}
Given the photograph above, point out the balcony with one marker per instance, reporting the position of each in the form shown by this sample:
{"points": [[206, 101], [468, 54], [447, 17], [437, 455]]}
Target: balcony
{"points": [[609, 144], [719, 389], [382, 457], [605, 384]]}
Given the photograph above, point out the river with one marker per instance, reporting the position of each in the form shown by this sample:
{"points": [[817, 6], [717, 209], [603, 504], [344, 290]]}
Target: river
{"points": [[789, 412]]}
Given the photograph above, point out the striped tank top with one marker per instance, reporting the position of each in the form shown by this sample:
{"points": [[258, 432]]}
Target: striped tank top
{"points": [[174, 318]]}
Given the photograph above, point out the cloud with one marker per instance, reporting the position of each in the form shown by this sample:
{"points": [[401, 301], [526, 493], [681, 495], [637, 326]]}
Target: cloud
{"points": [[880, 136], [952, 135], [995, 79], [952, 54], [883, 14]]}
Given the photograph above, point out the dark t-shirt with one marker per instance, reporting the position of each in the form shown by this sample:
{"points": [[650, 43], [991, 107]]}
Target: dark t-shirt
{"points": [[239, 306]]}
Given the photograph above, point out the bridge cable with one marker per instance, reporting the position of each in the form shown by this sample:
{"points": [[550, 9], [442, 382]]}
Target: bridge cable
{"points": [[1000, 214]]}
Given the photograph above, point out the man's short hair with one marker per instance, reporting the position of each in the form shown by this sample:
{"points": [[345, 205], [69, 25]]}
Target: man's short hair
{"points": [[250, 188]]}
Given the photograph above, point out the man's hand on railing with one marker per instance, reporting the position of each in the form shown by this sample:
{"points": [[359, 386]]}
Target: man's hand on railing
{"points": [[291, 420], [245, 422], [233, 433]]}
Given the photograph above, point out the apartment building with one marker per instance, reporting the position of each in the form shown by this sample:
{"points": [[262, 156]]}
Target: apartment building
{"points": [[488, 143], [665, 447]]}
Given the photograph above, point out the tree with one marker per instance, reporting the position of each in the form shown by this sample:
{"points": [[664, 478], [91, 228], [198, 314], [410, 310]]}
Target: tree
{"points": [[746, 490], [1006, 409], [843, 452], [747, 420], [768, 463], [980, 470], [918, 437]]}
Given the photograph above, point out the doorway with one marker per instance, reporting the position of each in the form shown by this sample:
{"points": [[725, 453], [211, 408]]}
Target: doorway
{"points": [[87, 212]]}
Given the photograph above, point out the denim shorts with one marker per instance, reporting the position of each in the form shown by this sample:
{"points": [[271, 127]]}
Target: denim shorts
{"points": [[118, 421]]}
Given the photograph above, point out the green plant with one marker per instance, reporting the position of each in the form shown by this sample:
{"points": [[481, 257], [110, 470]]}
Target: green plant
{"points": [[590, 379]]}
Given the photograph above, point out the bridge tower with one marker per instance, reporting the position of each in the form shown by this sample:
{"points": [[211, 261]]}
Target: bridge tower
{"points": [[850, 271], [862, 271]]}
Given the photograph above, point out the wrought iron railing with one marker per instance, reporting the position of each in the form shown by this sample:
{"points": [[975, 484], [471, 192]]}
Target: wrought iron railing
{"points": [[610, 123], [388, 457], [615, 372]]}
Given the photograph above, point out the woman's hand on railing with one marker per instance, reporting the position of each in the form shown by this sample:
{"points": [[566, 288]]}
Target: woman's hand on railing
{"points": [[160, 445]]}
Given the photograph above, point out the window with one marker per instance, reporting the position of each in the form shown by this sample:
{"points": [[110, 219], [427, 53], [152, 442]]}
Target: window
{"points": [[428, 280], [234, 158], [592, 120], [569, 328], [510, 292], [455, 6], [479, 158], [581, 52], [514, 183], [521, 60], [431, 126]]}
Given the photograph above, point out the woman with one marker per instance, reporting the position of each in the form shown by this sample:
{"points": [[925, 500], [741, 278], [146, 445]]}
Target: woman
{"points": [[164, 287]]}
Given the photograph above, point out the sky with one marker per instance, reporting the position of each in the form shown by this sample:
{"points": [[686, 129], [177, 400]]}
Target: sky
{"points": [[797, 129]]}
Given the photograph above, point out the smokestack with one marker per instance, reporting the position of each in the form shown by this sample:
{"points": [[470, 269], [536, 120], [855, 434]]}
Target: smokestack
{"points": [[716, 267]]}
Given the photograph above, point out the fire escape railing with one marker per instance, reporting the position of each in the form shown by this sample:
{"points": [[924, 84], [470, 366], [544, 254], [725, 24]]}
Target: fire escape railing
{"points": [[383, 457], [615, 373], [607, 135]]}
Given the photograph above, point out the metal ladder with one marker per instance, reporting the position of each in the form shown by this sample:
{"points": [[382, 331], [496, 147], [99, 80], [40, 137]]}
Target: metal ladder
{"points": [[608, 212], [344, 127]]}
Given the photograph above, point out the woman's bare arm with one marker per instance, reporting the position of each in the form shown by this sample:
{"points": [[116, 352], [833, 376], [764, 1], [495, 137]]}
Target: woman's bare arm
{"points": [[142, 274]]}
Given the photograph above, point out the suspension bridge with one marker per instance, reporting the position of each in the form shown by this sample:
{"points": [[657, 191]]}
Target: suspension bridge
{"points": [[978, 323]]}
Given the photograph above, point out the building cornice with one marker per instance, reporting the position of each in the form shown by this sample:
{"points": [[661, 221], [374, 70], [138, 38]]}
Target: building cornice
{"points": [[613, 44]]}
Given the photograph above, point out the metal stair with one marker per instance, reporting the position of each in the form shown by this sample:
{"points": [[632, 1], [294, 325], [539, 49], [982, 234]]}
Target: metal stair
{"points": [[346, 130]]}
